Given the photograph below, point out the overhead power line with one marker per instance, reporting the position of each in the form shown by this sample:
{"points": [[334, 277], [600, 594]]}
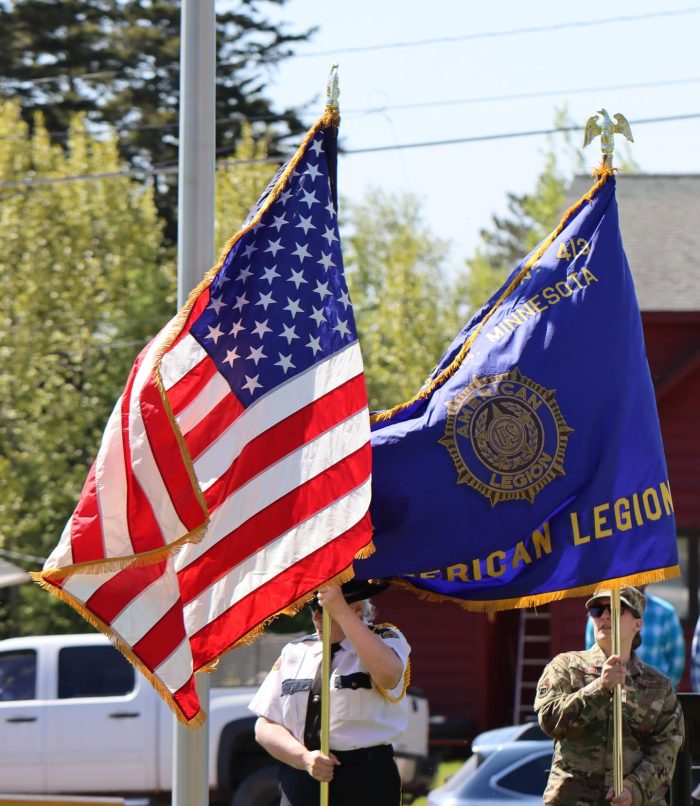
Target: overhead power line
{"points": [[120, 130], [506, 136], [534, 29], [160, 170], [481, 99]]}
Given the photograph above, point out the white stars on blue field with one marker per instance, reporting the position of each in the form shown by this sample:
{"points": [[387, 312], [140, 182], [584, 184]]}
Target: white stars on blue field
{"points": [[280, 302]]}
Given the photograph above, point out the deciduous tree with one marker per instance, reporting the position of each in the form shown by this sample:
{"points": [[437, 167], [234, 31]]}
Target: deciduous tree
{"points": [[85, 283], [402, 291], [118, 62]]}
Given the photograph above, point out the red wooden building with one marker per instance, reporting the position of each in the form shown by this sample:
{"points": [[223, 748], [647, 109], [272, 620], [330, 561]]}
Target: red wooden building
{"points": [[477, 669]]}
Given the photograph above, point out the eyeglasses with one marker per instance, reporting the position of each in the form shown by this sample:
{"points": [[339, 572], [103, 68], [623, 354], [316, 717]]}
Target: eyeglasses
{"points": [[597, 610]]}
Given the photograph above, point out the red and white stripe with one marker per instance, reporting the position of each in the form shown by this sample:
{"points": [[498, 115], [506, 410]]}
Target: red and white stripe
{"points": [[138, 496], [287, 485]]}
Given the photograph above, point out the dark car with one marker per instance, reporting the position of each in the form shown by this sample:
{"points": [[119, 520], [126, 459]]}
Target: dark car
{"points": [[507, 766]]}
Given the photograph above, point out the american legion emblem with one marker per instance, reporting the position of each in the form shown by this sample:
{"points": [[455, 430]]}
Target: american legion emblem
{"points": [[507, 436]]}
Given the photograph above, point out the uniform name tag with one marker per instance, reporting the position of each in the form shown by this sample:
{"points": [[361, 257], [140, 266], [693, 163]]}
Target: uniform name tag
{"points": [[292, 686]]}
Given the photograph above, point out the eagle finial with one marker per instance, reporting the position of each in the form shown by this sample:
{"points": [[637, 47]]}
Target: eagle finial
{"points": [[607, 131]]}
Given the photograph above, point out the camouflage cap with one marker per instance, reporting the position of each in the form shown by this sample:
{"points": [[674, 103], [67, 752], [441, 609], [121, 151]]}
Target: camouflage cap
{"points": [[633, 598]]}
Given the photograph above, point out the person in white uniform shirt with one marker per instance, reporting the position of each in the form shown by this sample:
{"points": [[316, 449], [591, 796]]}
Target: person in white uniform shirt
{"points": [[369, 675]]}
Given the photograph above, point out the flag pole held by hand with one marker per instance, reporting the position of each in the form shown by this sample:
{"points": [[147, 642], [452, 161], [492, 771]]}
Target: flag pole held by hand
{"points": [[325, 697], [618, 771]]}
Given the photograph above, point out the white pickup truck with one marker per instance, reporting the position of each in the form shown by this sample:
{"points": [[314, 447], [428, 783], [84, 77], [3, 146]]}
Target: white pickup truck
{"points": [[76, 718]]}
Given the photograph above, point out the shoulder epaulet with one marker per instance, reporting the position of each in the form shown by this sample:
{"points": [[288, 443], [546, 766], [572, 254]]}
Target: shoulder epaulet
{"points": [[385, 630], [301, 638]]}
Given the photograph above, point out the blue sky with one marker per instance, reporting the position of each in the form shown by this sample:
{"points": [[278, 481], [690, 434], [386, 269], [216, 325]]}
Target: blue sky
{"points": [[539, 70]]}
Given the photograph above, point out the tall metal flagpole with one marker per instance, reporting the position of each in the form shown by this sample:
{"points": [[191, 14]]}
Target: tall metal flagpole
{"points": [[195, 254], [607, 129]]}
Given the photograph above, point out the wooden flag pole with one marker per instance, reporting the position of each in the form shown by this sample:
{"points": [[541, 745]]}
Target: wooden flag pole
{"points": [[325, 697]]}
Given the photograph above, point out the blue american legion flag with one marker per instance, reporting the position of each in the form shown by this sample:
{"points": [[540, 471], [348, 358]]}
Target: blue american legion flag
{"points": [[241, 438], [530, 466]]}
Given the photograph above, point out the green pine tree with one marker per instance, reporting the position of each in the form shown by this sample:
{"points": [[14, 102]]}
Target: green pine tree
{"points": [[118, 62], [403, 294]]}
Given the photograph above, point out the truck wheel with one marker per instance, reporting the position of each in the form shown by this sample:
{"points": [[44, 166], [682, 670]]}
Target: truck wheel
{"points": [[260, 788]]}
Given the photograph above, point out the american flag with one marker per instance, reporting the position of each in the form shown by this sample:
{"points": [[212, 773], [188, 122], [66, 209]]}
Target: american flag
{"points": [[234, 475]]}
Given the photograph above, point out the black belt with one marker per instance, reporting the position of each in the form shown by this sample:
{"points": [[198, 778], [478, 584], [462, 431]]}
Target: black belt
{"points": [[365, 755]]}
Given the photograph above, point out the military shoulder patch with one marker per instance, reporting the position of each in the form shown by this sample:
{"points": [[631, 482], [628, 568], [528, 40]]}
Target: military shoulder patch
{"points": [[385, 630]]}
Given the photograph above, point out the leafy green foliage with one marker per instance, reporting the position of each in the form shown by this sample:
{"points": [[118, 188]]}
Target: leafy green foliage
{"points": [[531, 216], [405, 306], [86, 283], [239, 184]]}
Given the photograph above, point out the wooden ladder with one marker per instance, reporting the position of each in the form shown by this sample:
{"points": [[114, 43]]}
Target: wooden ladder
{"points": [[533, 654]]}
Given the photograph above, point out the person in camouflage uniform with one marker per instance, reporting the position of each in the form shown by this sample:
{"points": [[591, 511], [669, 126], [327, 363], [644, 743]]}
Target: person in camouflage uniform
{"points": [[574, 707]]}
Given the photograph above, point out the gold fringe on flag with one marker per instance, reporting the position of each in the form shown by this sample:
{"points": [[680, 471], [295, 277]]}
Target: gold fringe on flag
{"points": [[125, 649], [291, 610], [536, 599], [111, 565]]}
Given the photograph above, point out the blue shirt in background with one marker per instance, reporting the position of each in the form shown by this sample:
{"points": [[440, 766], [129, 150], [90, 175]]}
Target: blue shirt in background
{"points": [[695, 659]]}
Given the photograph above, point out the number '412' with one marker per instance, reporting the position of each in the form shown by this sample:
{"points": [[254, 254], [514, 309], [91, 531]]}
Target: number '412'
{"points": [[573, 248]]}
